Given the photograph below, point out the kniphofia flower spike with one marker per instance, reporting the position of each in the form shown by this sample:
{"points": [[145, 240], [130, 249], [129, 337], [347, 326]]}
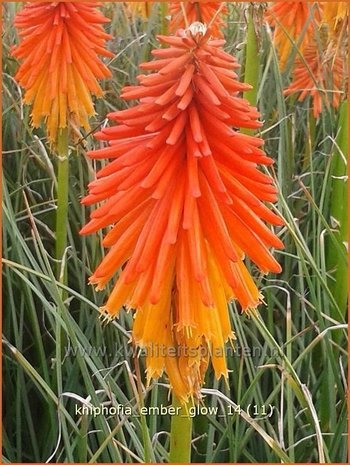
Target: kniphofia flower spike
{"points": [[319, 75], [184, 203], [294, 24], [59, 50]]}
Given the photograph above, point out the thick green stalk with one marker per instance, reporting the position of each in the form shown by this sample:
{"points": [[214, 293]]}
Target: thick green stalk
{"points": [[180, 434], [289, 391], [62, 200], [61, 244], [251, 70], [163, 18], [339, 214], [336, 257]]}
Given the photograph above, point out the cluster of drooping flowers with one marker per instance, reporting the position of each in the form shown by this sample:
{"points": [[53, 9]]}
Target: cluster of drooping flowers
{"points": [[59, 50], [307, 31], [184, 199]]}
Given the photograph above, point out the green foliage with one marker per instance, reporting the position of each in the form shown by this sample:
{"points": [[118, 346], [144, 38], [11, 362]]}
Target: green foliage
{"points": [[59, 355]]}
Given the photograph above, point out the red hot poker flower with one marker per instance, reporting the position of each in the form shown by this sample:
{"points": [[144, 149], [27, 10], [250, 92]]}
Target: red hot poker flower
{"points": [[59, 48], [319, 75], [184, 199], [292, 20]]}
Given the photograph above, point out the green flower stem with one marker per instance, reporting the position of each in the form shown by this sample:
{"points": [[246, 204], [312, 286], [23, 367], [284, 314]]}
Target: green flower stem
{"points": [[61, 244], [180, 434], [62, 201], [163, 18], [339, 214], [251, 72], [61, 240]]}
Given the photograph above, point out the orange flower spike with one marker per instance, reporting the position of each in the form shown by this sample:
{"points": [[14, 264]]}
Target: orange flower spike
{"points": [[59, 47], [178, 154], [203, 11], [289, 20], [334, 13], [323, 68]]}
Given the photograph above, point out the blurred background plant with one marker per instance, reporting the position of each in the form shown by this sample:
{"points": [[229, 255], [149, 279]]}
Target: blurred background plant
{"points": [[293, 358]]}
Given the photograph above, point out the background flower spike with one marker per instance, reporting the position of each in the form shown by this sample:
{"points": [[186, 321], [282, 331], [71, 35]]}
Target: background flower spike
{"points": [[59, 49]]}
